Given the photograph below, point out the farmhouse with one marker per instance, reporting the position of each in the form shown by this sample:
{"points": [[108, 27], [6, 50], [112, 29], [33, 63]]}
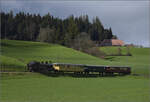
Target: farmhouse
{"points": [[112, 42]]}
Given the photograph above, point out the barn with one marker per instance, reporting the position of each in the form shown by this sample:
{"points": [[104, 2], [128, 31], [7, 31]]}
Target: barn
{"points": [[112, 42]]}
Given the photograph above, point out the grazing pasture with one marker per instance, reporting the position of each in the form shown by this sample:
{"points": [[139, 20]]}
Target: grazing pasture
{"points": [[39, 88], [35, 87]]}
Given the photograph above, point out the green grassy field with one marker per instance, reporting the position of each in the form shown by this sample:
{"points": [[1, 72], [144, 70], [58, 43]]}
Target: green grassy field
{"points": [[40, 88], [34, 87], [17, 54]]}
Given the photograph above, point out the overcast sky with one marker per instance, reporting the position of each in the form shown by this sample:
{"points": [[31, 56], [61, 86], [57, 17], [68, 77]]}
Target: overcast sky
{"points": [[129, 20]]}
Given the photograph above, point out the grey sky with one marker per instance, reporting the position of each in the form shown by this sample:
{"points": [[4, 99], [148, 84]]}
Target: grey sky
{"points": [[129, 20]]}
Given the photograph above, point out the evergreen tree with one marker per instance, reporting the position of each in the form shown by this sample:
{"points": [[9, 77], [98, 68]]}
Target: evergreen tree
{"points": [[72, 31], [96, 30]]}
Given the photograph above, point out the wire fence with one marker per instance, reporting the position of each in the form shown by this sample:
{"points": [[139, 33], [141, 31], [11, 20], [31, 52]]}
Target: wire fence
{"points": [[4, 68]]}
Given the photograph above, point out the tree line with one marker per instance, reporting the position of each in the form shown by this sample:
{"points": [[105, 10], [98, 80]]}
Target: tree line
{"points": [[47, 28]]}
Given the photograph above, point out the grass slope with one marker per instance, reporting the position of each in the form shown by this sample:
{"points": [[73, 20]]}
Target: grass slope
{"points": [[16, 54], [139, 61]]}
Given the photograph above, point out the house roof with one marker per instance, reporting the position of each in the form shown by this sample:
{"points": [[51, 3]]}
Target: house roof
{"points": [[117, 42], [112, 42]]}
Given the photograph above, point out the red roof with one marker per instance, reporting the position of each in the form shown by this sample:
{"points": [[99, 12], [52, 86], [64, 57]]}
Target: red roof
{"points": [[116, 42], [112, 42]]}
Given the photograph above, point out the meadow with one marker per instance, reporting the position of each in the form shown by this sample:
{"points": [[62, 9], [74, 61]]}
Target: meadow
{"points": [[16, 54], [35, 87], [39, 88]]}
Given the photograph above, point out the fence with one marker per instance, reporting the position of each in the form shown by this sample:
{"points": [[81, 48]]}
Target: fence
{"points": [[4, 68]]}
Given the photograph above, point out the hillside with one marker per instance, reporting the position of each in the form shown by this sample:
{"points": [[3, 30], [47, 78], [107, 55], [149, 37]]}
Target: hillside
{"points": [[16, 54]]}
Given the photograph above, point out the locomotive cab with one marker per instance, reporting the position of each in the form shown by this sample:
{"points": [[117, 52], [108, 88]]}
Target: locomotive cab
{"points": [[33, 66]]}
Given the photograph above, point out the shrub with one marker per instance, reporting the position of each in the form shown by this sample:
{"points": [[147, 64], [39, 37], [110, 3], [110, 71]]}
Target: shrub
{"points": [[83, 43]]}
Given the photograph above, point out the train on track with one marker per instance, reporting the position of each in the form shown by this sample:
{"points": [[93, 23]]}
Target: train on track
{"points": [[35, 66]]}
